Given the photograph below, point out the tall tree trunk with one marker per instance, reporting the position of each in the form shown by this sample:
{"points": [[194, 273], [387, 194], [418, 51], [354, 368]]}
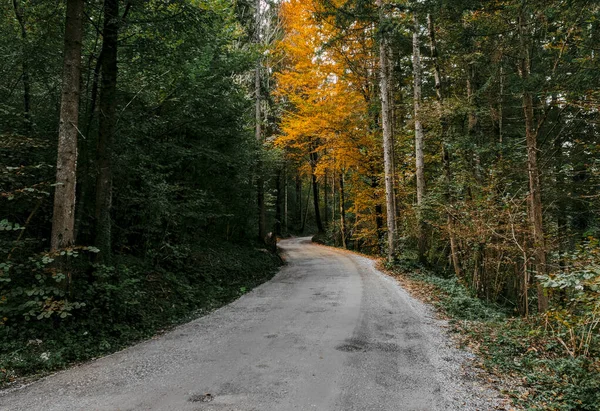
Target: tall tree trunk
{"points": [[379, 225], [561, 211], [535, 191], [25, 67], [285, 201], [63, 218], [314, 157], [325, 201], [501, 109], [260, 184], [342, 210], [298, 203], [473, 124], [106, 129], [420, 163], [333, 199], [450, 223], [305, 211], [388, 138], [279, 204]]}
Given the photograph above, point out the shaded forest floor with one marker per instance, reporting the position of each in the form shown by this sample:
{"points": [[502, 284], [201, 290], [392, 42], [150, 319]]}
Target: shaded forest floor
{"points": [[133, 301], [524, 358]]}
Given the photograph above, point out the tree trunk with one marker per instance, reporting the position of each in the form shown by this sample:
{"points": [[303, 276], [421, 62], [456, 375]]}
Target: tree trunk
{"points": [[25, 67], [298, 203], [106, 129], [388, 138], [260, 184], [535, 192], [450, 223], [561, 210], [325, 201], [342, 210], [285, 201], [279, 204], [305, 212], [379, 225], [63, 218], [333, 199], [315, 187], [420, 163], [472, 125]]}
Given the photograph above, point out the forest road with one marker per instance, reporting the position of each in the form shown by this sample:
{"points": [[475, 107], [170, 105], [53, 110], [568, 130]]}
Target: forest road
{"points": [[328, 332]]}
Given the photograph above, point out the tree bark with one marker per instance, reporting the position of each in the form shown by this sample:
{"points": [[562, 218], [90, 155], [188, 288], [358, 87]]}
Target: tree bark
{"points": [[298, 203], [419, 158], [561, 210], [535, 191], [63, 218], [314, 157], [106, 129], [305, 212], [279, 204], [379, 226], [325, 201], [285, 201], [472, 125], [342, 210], [388, 138]]}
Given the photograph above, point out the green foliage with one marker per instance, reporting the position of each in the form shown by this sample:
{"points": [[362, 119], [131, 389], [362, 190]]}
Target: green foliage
{"points": [[461, 303], [183, 164], [117, 304], [526, 349], [575, 317], [530, 355], [456, 299]]}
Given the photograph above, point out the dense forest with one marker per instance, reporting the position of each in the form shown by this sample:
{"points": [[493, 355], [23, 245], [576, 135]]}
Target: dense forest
{"points": [[128, 166], [151, 151], [460, 139]]}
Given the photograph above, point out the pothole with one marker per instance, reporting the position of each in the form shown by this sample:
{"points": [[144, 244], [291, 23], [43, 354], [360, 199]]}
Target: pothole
{"points": [[352, 345], [201, 398]]}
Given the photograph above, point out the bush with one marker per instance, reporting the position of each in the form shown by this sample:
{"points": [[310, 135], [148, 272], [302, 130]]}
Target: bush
{"points": [[575, 315], [47, 326]]}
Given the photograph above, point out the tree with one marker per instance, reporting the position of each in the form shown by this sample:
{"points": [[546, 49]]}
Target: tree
{"points": [[63, 219], [106, 128], [388, 138], [535, 194], [419, 157]]}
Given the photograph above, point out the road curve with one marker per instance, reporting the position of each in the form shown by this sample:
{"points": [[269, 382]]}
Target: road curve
{"points": [[329, 332]]}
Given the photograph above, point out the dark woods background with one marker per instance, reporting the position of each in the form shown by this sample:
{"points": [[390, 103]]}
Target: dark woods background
{"points": [[175, 135]]}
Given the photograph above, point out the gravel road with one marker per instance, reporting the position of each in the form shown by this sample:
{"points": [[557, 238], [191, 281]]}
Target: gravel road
{"points": [[329, 332]]}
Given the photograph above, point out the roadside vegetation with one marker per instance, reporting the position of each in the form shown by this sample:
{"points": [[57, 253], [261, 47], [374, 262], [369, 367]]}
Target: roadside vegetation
{"points": [[544, 362], [118, 305]]}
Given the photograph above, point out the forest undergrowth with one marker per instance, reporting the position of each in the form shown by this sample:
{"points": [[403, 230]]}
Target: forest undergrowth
{"points": [[529, 359], [124, 303]]}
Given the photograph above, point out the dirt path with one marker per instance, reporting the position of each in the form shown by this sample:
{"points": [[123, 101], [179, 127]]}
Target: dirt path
{"points": [[329, 332]]}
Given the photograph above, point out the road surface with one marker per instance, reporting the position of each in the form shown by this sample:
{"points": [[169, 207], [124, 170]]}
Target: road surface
{"points": [[329, 332]]}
